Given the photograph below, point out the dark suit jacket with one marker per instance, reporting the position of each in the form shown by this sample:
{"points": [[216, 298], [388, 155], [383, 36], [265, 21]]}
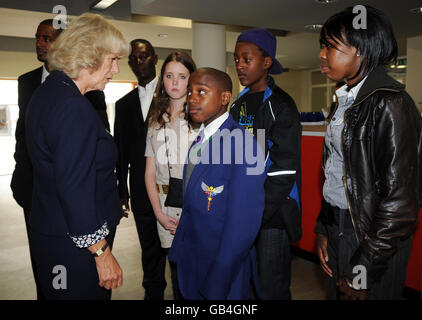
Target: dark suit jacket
{"points": [[22, 178], [130, 130], [73, 157], [22, 175], [97, 99], [213, 245]]}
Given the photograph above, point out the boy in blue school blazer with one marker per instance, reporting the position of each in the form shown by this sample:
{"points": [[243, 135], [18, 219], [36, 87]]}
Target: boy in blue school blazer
{"points": [[223, 198]]}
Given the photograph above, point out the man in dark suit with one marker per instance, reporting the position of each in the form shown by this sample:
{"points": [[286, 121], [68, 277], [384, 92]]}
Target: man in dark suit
{"points": [[22, 179], [130, 129], [27, 83]]}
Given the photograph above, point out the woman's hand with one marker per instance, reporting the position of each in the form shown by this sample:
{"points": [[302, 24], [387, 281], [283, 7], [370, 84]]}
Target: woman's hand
{"points": [[109, 272], [174, 232], [322, 242], [169, 223], [350, 293]]}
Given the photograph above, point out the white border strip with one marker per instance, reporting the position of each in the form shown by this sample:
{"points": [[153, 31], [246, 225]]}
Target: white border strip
{"points": [[313, 133]]}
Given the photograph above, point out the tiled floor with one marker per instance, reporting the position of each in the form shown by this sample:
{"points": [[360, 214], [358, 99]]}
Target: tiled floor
{"points": [[16, 280]]}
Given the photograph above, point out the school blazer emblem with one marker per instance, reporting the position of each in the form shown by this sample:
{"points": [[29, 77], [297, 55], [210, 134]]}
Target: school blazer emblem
{"points": [[211, 192]]}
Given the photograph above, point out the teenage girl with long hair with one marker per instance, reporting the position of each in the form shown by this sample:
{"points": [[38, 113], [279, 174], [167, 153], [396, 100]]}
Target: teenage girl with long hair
{"points": [[170, 133]]}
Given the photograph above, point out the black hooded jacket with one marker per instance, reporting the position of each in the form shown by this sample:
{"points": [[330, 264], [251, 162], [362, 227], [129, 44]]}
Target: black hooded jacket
{"points": [[278, 117]]}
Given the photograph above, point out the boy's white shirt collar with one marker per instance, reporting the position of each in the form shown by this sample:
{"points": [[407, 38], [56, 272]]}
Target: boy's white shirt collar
{"points": [[212, 128]]}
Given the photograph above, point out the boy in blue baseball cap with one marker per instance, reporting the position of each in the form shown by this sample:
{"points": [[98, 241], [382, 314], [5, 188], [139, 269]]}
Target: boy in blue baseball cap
{"points": [[263, 105]]}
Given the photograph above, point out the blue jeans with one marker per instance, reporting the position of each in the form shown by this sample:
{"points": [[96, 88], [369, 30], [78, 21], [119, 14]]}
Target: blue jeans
{"points": [[274, 264]]}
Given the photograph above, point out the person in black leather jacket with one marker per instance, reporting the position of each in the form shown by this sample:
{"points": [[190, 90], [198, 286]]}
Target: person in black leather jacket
{"points": [[370, 161]]}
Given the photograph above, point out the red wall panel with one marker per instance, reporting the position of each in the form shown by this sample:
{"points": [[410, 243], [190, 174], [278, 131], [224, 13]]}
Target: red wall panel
{"points": [[312, 177]]}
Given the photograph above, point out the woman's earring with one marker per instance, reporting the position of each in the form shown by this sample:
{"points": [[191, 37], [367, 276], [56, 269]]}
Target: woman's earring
{"points": [[357, 54]]}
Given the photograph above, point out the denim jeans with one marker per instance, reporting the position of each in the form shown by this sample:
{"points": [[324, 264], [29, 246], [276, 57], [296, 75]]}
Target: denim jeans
{"points": [[274, 264]]}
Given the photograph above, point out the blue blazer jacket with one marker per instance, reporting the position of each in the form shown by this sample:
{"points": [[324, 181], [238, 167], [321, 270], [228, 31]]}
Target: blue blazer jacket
{"points": [[73, 158], [222, 211]]}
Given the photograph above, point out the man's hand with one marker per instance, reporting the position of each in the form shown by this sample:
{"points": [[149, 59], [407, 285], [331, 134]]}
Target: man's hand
{"points": [[125, 207], [350, 293], [322, 242]]}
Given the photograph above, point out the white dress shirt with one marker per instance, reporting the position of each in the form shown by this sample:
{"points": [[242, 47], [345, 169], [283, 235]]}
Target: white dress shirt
{"points": [[45, 73], [146, 94]]}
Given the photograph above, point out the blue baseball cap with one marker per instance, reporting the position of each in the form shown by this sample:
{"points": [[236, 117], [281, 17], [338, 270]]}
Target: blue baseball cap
{"points": [[266, 41]]}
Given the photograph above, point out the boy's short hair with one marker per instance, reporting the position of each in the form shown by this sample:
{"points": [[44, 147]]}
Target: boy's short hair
{"points": [[266, 42], [222, 79]]}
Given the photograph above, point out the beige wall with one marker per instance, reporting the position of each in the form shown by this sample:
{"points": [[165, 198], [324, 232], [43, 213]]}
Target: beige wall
{"points": [[295, 83], [231, 71], [13, 64], [414, 70]]}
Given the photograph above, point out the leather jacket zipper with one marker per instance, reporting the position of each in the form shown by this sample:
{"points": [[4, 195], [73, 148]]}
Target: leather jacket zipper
{"points": [[345, 185], [344, 171], [348, 204]]}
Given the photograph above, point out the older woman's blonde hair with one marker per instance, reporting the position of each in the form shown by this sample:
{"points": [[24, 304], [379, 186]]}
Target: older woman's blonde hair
{"points": [[84, 45]]}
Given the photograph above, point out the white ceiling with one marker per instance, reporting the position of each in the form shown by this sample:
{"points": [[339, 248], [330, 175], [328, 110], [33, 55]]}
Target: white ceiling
{"points": [[298, 49]]}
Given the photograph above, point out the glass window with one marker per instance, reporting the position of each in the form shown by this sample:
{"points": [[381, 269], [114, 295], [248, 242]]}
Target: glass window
{"points": [[9, 113], [332, 89], [113, 92], [319, 99], [322, 90], [318, 78]]}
